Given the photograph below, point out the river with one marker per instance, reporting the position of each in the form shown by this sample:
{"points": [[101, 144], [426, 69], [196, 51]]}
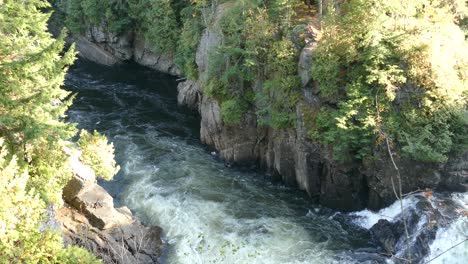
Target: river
{"points": [[209, 213]]}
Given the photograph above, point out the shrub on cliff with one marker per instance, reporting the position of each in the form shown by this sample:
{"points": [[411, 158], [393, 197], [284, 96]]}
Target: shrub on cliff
{"points": [[82, 13], [98, 154], [397, 70], [24, 235], [256, 64], [156, 20]]}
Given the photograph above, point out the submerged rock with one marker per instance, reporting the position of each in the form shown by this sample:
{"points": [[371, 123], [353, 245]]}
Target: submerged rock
{"points": [[387, 234], [424, 217]]}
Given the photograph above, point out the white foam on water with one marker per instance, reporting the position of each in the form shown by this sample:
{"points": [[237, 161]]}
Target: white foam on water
{"points": [[207, 215], [204, 218], [206, 232], [448, 238], [367, 218]]}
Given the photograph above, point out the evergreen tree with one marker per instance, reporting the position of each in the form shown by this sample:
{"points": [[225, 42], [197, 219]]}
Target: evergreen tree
{"points": [[33, 166], [31, 101], [396, 70]]}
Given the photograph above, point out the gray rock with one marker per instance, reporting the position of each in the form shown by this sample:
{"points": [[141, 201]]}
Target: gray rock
{"points": [[129, 243], [236, 144], [97, 34], [455, 174], [305, 57], [415, 175], [98, 207], [387, 234], [144, 55], [91, 51], [83, 178], [211, 37], [189, 94], [90, 220], [103, 47]]}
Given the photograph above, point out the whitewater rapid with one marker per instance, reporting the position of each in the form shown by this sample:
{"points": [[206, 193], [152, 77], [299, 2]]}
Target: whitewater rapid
{"points": [[210, 213]]}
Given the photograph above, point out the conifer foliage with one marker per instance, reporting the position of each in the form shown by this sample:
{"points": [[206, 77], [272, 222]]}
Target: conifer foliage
{"points": [[33, 166], [397, 70]]}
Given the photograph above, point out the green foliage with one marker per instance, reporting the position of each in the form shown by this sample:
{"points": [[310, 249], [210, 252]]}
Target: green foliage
{"points": [[82, 13], [33, 166], [156, 19], [21, 214], [257, 61], [93, 10], [232, 111], [282, 89], [31, 101], [76, 255], [98, 154], [382, 77], [189, 40], [75, 19]]}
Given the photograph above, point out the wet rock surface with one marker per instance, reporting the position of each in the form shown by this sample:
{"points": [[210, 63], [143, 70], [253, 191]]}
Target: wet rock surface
{"points": [[423, 220]]}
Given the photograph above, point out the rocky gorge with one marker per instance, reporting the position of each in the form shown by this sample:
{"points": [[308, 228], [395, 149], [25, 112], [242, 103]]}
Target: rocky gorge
{"points": [[287, 155]]}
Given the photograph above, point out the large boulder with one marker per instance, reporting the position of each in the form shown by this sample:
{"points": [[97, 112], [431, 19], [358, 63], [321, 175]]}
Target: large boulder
{"points": [[89, 219], [423, 216], [93, 52], [128, 243], [83, 178], [84, 194], [98, 206]]}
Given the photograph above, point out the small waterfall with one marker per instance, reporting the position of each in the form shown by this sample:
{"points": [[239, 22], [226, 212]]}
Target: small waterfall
{"points": [[437, 225]]}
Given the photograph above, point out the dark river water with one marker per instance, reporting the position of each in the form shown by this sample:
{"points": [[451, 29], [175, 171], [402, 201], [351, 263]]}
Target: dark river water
{"points": [[209, 213]]}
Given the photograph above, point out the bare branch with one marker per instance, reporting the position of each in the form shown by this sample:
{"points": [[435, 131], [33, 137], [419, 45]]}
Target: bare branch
{"points": [[445, 251]]}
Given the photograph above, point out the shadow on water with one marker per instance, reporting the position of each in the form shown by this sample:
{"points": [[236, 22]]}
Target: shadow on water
{"points": [[211, 214]]}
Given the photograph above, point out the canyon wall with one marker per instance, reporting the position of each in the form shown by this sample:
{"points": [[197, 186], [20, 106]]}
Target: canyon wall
{"points": [[287, 155]]}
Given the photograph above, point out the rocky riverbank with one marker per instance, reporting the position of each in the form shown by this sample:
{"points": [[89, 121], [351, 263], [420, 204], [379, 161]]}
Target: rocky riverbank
{"points": [[90, 220]]}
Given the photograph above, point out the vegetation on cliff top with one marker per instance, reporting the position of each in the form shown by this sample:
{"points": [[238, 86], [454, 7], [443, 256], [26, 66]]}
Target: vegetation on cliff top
{"points": [[387, 69], [257, 48], [393, 69], [33, 165]]}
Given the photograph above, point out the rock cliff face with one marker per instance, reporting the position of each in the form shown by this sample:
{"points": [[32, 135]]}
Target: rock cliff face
{"points": [[103, 47], [288, 155], [90, 220]]}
